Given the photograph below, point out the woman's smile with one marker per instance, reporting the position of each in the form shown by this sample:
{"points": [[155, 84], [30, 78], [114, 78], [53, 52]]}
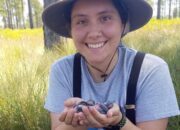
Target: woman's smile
{"points": [[96, 45]]}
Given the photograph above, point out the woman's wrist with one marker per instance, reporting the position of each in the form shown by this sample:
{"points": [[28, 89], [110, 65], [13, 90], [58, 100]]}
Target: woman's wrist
{"points": [[119, 124]]}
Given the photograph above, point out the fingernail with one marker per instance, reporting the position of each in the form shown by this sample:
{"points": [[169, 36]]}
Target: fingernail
{"points": [[80, 117], [110, 114], [91, 108], [81, 122]]}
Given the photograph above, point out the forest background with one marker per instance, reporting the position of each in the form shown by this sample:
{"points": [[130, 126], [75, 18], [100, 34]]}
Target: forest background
{"points": [[26, 56]]}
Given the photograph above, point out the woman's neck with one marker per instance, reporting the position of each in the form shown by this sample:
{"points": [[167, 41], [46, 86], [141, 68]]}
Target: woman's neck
{"points": [[101, 72]]}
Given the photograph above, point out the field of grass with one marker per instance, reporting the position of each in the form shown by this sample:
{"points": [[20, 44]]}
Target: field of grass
{"points": [[25, 66]]}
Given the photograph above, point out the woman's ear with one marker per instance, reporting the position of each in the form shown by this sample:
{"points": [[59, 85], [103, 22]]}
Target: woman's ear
{"points": [[70, 32], [125, 29]]}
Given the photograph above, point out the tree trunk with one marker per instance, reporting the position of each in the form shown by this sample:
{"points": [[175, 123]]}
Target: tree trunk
{"points": [[159, 9], [179, 8], [30, 14], [175, 10], [37, 20], [9, 15], [50, 38], [17, 21], [22, 14], [170, 4], [5, 22], [166, 4], [16, 14], [163, 11]]}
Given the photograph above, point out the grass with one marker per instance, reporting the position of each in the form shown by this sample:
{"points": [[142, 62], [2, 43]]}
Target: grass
{"points": [[25, 66]]}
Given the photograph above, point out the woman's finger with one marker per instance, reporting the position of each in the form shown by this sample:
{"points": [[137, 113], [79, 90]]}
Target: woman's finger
{"points": [[101, 118], [63, 116], [111, 118], [81, 116], [75, 120], [92, 121], [84, 123], [114, 111], [69, 116], [72, 101]]}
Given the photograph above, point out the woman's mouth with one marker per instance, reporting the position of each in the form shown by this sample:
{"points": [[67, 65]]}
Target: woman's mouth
{"points": [[96, 45]]}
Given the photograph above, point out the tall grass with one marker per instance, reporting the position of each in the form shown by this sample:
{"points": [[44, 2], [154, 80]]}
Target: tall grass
{"points": [[24, 77], [25, 66]]}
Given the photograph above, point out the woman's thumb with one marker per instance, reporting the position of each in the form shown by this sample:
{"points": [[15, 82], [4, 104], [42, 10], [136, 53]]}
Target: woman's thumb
{"points": [[72, 101]]}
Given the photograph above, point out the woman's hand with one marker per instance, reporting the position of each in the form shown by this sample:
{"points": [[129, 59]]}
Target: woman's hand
{"points": [[69, 115], [90, 117], [93, 118]]}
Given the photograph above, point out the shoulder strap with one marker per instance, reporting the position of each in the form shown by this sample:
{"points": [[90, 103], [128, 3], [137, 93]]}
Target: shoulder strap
{"points": [[77, 76], [131, 88]]}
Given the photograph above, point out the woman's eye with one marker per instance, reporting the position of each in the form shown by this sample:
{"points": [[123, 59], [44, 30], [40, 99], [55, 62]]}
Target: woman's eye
{"points": [[81, 22], [105, 18]]}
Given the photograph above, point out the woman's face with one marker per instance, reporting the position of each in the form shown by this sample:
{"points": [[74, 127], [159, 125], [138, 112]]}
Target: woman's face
{"points": [[96, 29]]}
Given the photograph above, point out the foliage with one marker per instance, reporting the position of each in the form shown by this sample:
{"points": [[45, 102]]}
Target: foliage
{"points": [[37, 11], [12, 13], [25, 63]]}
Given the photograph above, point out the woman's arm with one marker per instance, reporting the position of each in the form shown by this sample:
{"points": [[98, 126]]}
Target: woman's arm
{"points": [[160, 124], [57, 125]]}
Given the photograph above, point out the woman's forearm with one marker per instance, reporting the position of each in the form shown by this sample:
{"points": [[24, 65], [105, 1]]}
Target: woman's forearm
{"points": [[130, 126], [160, 124], [68, 127]]}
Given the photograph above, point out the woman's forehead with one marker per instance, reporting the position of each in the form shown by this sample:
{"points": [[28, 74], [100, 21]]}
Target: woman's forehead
{"points": [[90, 6]]}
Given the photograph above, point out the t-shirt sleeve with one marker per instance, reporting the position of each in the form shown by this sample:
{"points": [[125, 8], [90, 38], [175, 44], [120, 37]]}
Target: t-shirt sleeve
{"points": [[156, 97], [58, 90]]}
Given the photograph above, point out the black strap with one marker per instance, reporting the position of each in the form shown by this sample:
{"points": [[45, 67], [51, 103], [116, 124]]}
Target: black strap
{"points": [[131, 89], [77, 76]]}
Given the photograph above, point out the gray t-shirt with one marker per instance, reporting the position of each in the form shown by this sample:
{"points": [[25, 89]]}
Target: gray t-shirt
{"points": [[155, 97]]}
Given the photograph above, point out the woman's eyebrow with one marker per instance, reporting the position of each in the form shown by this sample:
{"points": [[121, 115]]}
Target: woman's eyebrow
{"points": [[78, 15]]}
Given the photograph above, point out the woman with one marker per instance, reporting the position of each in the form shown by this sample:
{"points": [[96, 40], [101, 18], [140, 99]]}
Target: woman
{"points": [[96, 27]]}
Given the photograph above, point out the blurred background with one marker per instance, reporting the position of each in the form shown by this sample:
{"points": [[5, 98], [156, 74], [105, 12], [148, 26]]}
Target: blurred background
{"points": [[27, 13], [27, 50]]}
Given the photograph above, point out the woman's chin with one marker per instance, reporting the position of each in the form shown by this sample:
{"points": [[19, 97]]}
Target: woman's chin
{"points": [[96, 59]]}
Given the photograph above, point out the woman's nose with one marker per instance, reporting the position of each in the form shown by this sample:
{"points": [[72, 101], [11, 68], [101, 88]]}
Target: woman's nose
{"points": [[95, 31]]}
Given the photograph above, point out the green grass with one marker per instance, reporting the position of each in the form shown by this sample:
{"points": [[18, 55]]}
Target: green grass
{"points": [[25, 67]]}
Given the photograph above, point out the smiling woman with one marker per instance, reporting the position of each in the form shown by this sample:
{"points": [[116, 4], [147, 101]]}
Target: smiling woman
{"points": [[96, 31], [105, 69]]}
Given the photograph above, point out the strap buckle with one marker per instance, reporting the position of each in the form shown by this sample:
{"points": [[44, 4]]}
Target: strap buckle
{"points": [[130, 106]]}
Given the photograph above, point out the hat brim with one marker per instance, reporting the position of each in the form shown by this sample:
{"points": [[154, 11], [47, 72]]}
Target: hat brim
{"points": [[139, 11]]}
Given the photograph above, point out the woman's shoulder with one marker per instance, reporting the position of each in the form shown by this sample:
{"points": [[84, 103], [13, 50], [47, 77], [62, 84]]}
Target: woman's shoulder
{"points": [[153, 60], [65, 62], [150, 63], [149, 60]]}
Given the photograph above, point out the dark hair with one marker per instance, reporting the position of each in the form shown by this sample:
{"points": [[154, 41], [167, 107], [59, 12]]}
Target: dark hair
{"points": [[122, 10]]}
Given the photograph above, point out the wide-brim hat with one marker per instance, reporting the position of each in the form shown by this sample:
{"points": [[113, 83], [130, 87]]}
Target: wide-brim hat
{"points": [[54, 16]]}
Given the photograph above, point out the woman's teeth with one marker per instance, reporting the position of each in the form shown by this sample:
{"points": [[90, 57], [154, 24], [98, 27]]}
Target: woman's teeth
{"points": [[94, 46]]}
